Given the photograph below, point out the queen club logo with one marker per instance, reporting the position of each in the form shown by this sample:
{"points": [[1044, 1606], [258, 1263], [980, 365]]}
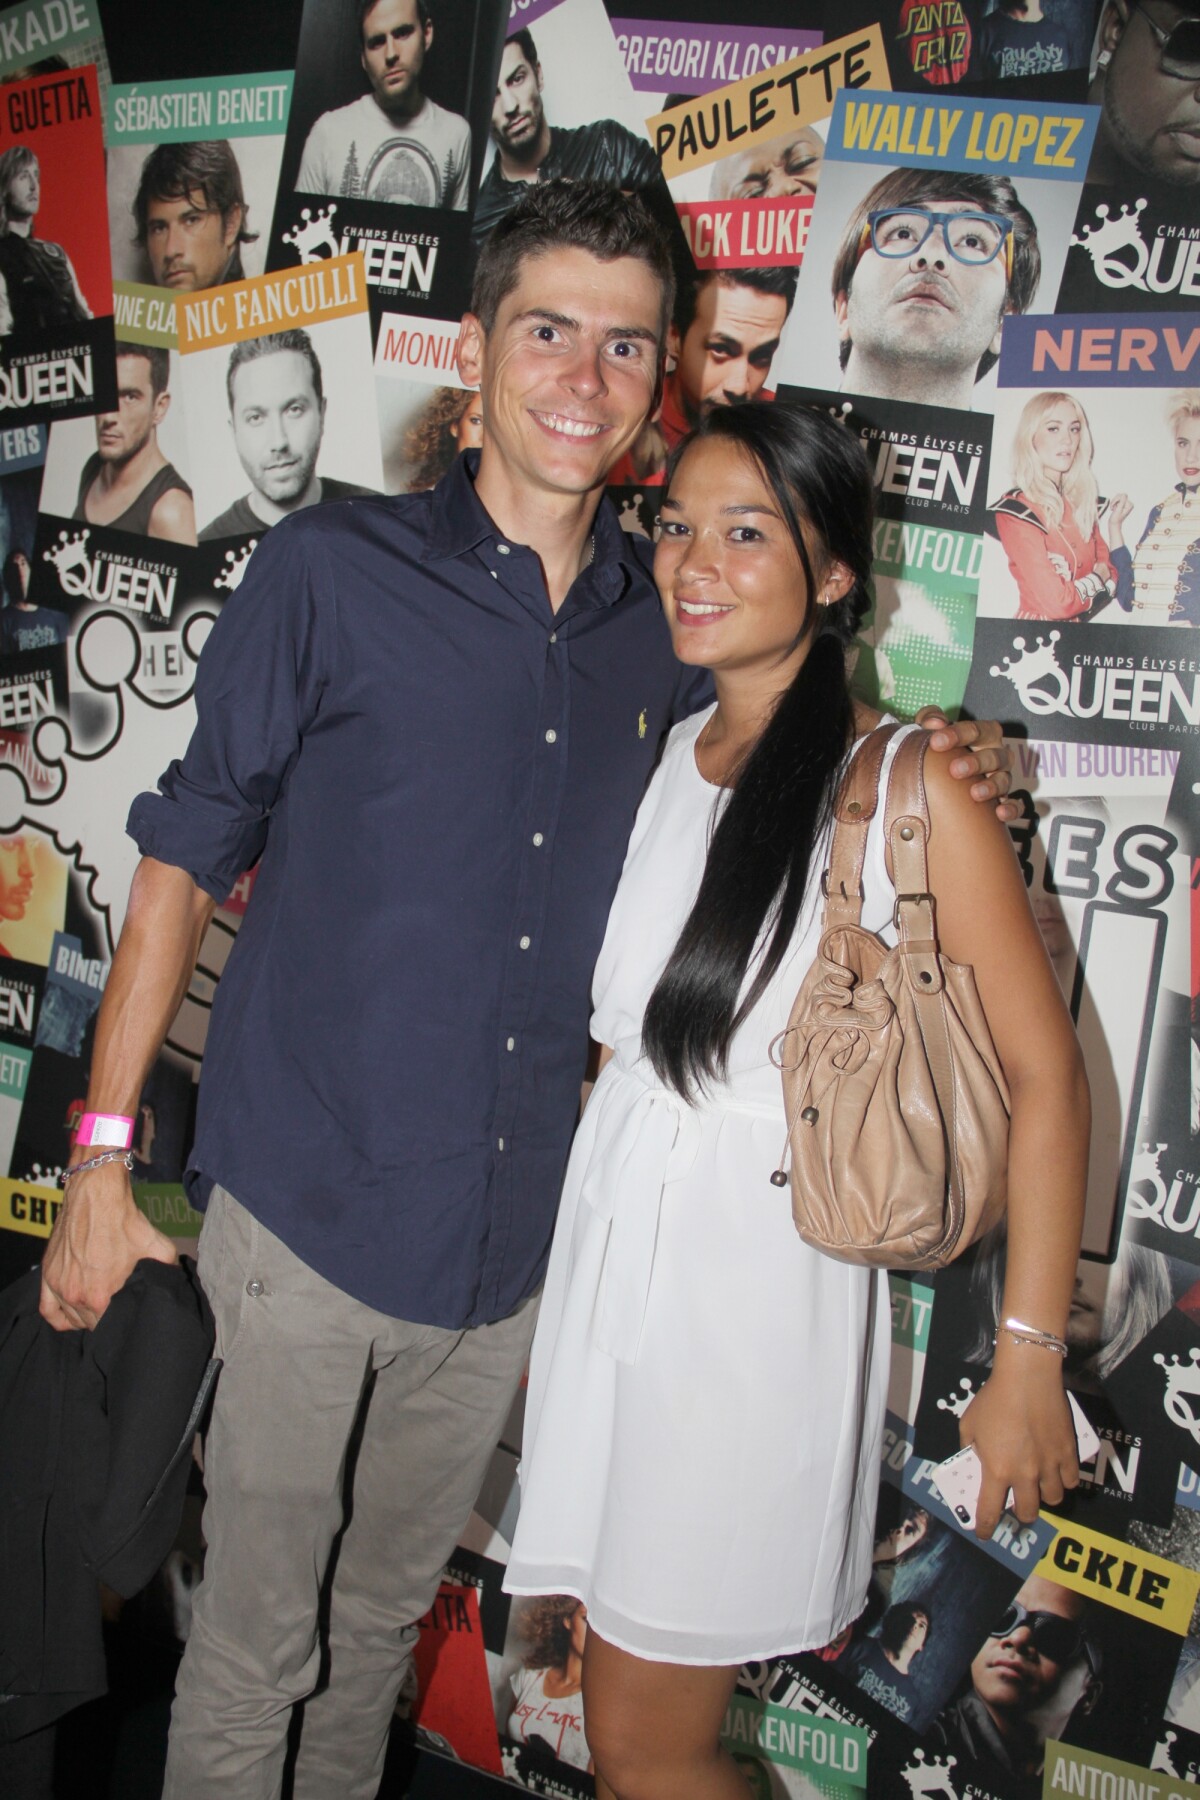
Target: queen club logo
{"points": [[1183, 1386], [1105, 242]]}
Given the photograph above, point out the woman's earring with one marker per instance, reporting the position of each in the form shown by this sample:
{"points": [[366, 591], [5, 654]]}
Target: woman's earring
{"points": [[1104, 58]]}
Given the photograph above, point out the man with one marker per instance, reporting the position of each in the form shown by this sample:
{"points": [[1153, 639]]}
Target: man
{"points": [[23, 624], [1019, 39], [929, 266], [883, 1663], [720, 345], [1023, 1665], [43, 292], [127, 483], [529, 148], [277, 417], [394, 143], [433, 717], [191, 215], [1147, 84], [782, 168]]}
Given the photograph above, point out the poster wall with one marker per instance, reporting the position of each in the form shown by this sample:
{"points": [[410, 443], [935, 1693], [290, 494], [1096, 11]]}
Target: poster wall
{"points": [[967, 230]]}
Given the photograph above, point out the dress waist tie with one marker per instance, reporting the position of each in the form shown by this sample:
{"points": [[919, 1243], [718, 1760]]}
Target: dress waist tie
{"points": [[646, 1136]]}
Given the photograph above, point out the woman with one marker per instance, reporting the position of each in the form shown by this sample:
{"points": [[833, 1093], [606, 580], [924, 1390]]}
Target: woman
{"points": [[1047, 519], [1160, 583], [451, 422], [707, 1394], [548, 1688]]}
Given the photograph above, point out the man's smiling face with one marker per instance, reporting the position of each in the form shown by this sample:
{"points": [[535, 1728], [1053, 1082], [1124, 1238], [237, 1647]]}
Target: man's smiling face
{"points": [[569, 370]]}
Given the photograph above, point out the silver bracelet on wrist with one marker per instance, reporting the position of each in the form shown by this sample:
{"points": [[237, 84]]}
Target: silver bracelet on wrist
{"points": [[96, 1162], [1029, 1334]]}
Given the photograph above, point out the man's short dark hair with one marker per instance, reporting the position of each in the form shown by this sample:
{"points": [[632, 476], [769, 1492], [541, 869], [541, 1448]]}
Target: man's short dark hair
{"points": [[177, 171], [920, 187], [899, 1620], [569, 215], [528, 49], [366, 6], [779, 281], [158, 358], [251, 349]]}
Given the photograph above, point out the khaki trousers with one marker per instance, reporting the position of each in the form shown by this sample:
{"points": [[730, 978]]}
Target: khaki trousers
{"points": [[326, 1414]]}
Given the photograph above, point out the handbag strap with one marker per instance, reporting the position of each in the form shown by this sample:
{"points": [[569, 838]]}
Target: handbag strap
{"points": [[856, 804], [906, 833]]}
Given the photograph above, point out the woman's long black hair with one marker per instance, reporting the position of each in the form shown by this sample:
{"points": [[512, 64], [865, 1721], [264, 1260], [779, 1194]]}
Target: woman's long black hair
{"points": [[757, 870]]}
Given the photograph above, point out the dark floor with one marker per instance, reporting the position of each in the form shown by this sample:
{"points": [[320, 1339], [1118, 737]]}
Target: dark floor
{"points": [[115, 1748]]}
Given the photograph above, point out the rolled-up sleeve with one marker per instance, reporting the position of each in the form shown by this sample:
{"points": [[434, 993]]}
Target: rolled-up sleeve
{"points": [[259, 684]]}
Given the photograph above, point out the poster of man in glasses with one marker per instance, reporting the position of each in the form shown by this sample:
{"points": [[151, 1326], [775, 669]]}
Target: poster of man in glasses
{"points": [[935, 220], [1136, 243]]}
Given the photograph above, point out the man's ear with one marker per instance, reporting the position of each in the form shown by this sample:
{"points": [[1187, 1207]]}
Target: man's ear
{"points": [[1113, 21], [841, 312], [472, 341], [994, 346], [162, 406], [537, 69], [232, 224]]}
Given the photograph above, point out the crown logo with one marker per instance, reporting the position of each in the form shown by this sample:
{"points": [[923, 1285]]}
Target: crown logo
{"points": [[958, 1403], [630, 517], [1034, 666], [70, 552], [1161, 1762], [313, 238], [1147, 1191], [925, 1778], [235, 567], [1104, 241], [1183, 1380]]}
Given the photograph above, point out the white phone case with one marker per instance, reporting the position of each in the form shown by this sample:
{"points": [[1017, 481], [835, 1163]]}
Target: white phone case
{"points": [[959, 1478]]}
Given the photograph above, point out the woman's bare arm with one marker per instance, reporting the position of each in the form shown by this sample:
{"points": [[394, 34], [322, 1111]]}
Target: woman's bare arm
{"points": [[1020, 1423]]}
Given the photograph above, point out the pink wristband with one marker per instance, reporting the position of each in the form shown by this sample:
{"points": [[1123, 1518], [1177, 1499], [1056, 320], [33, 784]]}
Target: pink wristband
{"points": [[106, 1129]]}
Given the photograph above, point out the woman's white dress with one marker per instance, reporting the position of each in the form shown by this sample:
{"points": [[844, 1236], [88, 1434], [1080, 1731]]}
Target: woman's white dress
{"points": [[706, 1393]]}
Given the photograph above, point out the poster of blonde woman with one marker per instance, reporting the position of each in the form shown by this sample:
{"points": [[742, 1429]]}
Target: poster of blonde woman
{"points": [[1051, 558], [1158, 576], [1046, 521]]}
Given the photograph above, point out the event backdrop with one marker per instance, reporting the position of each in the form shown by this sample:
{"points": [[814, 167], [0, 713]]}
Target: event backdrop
{"points": [[1033, 425]]}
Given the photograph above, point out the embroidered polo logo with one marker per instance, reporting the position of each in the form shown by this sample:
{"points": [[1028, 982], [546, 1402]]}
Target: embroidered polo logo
{"points": [[642, 723]]}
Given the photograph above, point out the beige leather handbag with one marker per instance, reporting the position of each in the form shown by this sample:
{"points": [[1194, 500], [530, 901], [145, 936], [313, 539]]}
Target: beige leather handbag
{"points": [[896, 1103]]}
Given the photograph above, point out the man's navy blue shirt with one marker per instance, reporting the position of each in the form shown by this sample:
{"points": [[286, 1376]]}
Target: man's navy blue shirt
{"points": [[440, 775]]}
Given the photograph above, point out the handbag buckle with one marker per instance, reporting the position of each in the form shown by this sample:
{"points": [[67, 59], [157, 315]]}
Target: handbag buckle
{"points": [[856, 895], [905, 900]]}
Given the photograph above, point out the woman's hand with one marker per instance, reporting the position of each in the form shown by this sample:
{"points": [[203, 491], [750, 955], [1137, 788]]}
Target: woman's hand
{"points": [[1119, 509], [1021, 1427]]}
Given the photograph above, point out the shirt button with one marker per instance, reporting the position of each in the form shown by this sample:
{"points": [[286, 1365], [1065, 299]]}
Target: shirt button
{"points": [[538, 840], [511, 1044], [503, 549], [499, 1143], [552, 737], [493, 575], [554, 637], [254, 1289], [525, 943]]}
